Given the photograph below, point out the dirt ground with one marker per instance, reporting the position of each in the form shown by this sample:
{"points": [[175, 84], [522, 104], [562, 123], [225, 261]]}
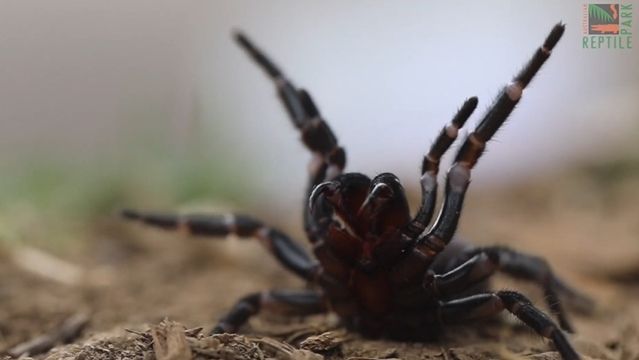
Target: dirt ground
{"points": [[128, 279]]}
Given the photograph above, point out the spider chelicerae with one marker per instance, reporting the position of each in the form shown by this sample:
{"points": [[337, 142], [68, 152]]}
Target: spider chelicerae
{"points": [[379, 269]]}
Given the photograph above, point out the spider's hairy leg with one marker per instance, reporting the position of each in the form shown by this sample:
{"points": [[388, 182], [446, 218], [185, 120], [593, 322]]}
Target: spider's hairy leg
{"points": [[329, 159], [316, 134], [537, 270], [509, 97], [284, 249], [475, 270], [486, 305], [458, 177], [301, 302], [430, 169]]}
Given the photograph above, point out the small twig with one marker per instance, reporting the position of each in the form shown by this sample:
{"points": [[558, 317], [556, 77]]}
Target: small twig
{"points": [[138, 333], [35, 346], [193, 332], [70, 330], [325, 342]]}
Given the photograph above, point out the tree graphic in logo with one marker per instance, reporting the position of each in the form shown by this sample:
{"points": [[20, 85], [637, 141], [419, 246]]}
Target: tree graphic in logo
{"points": [[603, 19]]}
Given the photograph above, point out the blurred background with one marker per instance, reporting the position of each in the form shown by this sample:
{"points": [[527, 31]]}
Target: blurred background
{"points": [[104, 104], [150, 104]]}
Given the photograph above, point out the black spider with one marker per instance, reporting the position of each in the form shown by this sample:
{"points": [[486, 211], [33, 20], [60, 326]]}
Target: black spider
{"points": [[380, 270]]}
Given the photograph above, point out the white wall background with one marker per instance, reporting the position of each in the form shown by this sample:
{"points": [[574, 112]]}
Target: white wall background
{"points": [[76, 76]]}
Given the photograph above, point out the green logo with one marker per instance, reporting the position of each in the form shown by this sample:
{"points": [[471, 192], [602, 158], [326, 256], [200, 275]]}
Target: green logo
{"points": [[607, 26]]}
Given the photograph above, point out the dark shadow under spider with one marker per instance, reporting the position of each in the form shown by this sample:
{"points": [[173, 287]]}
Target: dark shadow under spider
{"points": [[379, 268]]}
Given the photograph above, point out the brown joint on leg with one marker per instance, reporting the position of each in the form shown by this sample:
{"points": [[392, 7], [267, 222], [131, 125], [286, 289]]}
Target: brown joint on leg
{"points": [[515, 307], [492, 306], [266, 300], [433, 245], [483, 268], [263, 234], [548, 331], [280, 82], [428, 252], [183, 227], [514, 90], [230, 223], [414, 227], [430, 164], [497, 303], [337, 160], [337, 156], [471, 150], [451, 131]]}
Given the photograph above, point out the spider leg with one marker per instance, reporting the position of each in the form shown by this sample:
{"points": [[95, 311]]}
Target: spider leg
{"points": [[430, 169], [537, 270], [302, 302], [285, 250], [490, 304], [475, 270], [329, 158], [458, 177]]}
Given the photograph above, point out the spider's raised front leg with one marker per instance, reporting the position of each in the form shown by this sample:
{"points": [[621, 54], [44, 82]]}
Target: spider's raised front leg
{"points": [[458, 178], [486, 305], [430, 169], [300, 302], [429, 245], [286, 251], [329, 158]]}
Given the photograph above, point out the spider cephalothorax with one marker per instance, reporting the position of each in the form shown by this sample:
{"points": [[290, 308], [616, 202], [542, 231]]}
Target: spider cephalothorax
{"points": [[381, 270]]}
